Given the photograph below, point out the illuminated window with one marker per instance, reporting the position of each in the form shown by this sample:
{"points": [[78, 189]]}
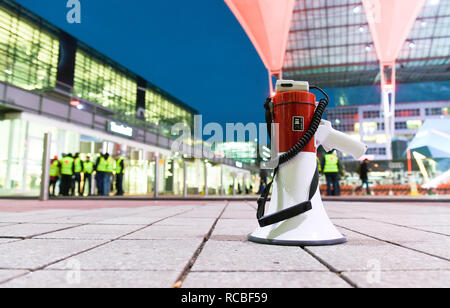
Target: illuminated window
{"points": [[165, 113], [437, 111], [28, 53], [407, 113], [414, 124], [101, 83], [370, 127], [371, 114]]}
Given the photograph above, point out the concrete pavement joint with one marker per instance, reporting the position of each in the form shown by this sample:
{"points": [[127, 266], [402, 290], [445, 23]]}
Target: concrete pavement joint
{"points": [[89, 249], [395, 244], [331, 268], [187, 269], [408, 227]]}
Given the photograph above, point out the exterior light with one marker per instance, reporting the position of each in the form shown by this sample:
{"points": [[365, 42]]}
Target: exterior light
{"points": [[434, 2], [361, 29], [74, 103], [412, 45], [80, 107], [423, 24], [357, 10], [368, 47]]}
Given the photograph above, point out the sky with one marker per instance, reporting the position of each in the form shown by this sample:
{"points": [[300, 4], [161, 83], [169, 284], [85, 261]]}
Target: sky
{"points": [[195, 50]]}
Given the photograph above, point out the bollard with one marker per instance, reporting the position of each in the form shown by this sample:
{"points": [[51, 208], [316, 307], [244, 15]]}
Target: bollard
{"points": [[45, 180]]}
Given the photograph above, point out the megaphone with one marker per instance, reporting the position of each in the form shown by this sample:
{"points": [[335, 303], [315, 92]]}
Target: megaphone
{"points": [[296, 215]]}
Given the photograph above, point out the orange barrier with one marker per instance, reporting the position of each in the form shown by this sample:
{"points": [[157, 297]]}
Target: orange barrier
{"points": [[390, 190]]}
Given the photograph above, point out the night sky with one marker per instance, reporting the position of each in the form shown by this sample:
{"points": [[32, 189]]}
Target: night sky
{"points": [[195, 50]]}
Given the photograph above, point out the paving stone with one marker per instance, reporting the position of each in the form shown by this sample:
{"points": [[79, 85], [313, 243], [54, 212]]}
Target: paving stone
{"points": [[8, 274], [401, 279], [203, 213], [5, 224], [175, 221], [94, 279], [169, 233], [92, 232], [264, 280], [26, 230], [6, 241], [72, 220], [228, 259], [437, 229], [162, 255], [31, 254], [246, 256], [240, 214], [441, 248], [131, 220], [23, 217], [431, 243], [389, 232], [235, 227], [360, 253]]}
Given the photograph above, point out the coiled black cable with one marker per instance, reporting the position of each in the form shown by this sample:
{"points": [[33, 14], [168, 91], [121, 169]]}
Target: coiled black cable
{"points": [[313, 127]]}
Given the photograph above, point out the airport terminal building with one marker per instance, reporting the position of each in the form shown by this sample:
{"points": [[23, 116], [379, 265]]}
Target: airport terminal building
{"points": [[51, 82]]}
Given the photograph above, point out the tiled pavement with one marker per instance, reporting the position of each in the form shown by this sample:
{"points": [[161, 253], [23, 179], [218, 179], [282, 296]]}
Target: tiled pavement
{"points": [[203, 244]]}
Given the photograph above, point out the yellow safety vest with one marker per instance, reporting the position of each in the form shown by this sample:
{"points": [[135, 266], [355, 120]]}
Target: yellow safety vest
{"points": [[78, 166], [106, 165], [66, 166], [88, 167], [119, 169], [54, 168], [331, 164]]}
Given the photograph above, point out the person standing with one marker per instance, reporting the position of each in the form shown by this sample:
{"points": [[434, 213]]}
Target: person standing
{"points": [[99, 174], [54, 175], [88, 169], [331, 169], [364, 176], [319, 165], [105, 165], [78, 168], [67, 168], [120, 167]]}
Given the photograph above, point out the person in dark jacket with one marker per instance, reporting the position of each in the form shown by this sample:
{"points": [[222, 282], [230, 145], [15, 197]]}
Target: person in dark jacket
{"points": [[78, 169], [120, 171], [332, 168], [364, 176]]}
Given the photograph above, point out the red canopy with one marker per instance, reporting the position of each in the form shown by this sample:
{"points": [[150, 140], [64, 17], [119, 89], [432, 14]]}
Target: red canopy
{"points": [[390, 23], [267, 23]]}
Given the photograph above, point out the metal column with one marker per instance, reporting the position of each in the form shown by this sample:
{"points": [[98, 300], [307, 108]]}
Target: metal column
{"points": [[185, 186], [388, 85], [45, 178], [206, 179], [156, 193]]}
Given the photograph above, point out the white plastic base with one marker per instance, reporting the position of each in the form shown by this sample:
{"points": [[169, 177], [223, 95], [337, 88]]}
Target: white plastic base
{"points": [[291, 187]]}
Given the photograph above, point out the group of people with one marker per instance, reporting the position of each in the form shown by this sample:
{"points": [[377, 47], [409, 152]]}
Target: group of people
{"points": [[332, 169], [74, 174]]}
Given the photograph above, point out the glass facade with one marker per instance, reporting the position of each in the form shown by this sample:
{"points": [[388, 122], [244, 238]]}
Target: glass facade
{"points": [[21, 154], [21, 163], [245, 152], [101, 83], [28, 53], [162, 112]]}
